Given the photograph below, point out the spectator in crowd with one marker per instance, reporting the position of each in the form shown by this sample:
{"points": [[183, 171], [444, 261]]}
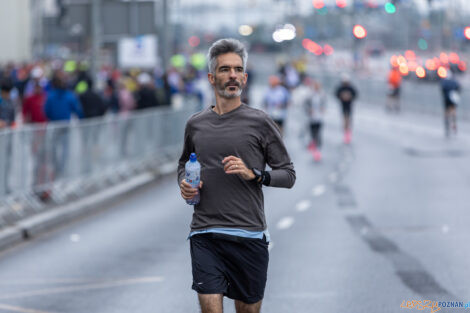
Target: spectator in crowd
{"points": [[7, 118], [146, 96], [33, 112], [61, 105], [7, 107], [92, 103], [110, 96], [33, 105], [61, 102], [125, 98]]}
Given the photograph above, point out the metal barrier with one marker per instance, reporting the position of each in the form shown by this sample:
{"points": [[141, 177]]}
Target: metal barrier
{"points": [[56, 162]]}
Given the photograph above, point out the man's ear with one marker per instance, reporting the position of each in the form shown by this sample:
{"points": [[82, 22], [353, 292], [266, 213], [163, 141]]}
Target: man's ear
{"points": [[211, 78]]}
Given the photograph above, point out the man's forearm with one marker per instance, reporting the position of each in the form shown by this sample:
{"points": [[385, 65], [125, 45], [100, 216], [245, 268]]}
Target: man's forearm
{"points": [[283, 178]]}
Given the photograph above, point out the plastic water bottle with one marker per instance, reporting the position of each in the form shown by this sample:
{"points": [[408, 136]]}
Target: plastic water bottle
{"points": [[193, 176]]}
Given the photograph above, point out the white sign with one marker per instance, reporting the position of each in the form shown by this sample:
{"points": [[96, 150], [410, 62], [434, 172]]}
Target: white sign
{"points": [[138, 52]]}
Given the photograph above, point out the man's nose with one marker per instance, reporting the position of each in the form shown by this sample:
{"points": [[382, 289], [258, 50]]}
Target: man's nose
{"points": [[233, 73]]}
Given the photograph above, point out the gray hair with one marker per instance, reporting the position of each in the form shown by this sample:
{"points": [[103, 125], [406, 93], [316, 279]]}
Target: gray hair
{"points": [[223, 46]]}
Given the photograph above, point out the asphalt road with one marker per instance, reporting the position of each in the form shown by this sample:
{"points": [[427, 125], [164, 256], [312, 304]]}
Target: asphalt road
{"points": [[378, 222]]}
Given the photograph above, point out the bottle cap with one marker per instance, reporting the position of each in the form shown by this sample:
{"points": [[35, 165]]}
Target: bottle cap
{"points": [[193, 157]]}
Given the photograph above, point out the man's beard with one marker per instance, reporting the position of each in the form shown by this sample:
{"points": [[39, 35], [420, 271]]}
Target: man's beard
{"points": [[222, 89]]}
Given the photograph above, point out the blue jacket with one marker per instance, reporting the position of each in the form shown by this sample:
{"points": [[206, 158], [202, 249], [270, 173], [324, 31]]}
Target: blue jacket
{"points": [[61, 104]]}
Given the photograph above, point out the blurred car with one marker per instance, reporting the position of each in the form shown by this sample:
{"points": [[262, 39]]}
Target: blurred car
{"points": [[430, 69]]}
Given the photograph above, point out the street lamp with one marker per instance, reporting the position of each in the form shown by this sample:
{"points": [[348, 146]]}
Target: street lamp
{"points": [[359, 32]]}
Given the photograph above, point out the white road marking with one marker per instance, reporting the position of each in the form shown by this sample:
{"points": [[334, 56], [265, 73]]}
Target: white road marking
{"points": [[11, 308], [333, 177], [303, 205], [445, 229], [305, 295], [285, 222], [100, 285], [318, 190], [75, 238]]}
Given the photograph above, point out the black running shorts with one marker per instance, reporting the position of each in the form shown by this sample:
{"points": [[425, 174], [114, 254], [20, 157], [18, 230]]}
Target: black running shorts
{"points": [[347, 109], [233, 266]]}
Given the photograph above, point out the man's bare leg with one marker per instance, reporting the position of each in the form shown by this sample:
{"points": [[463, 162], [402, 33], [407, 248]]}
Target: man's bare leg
{"points": [[243, 307], [211, 303], [453, 119]]}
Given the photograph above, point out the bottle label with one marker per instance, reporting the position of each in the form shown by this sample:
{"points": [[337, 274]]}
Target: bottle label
{"points": [[192, 178]]}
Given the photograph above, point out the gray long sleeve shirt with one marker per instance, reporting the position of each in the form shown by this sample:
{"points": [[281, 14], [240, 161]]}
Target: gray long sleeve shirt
{"points": [[227, 200]]}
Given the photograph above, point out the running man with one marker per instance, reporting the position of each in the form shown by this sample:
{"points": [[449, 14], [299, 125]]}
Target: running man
{"points": [[233, 142], [276, 101], [315, 107], [394, 84], [451, 93], [346, 94]]}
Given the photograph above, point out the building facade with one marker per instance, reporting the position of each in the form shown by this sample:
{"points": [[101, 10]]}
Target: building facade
{"points": [[15, 31]]}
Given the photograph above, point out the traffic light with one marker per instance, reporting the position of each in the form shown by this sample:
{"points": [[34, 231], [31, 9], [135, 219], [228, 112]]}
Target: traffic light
{"points": [[341, 3], [318, 4], [390, 7], [359, 32], [422, 44]]}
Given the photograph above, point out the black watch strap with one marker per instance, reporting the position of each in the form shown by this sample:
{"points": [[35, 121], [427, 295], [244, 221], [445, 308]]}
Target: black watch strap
{"points": [[262, 177]]}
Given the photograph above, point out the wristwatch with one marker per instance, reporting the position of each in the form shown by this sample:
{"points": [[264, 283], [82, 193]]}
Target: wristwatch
{"points": [[261, 177]]}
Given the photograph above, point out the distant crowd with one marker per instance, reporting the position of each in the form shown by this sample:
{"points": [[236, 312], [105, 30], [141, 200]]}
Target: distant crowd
{"points": [[57, 90]]}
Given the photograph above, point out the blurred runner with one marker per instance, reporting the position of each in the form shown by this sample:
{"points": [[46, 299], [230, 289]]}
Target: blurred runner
{"points": [[276, 101], [315, 106], [394, 84], [451, 93], [346, 94], [291, 78]]}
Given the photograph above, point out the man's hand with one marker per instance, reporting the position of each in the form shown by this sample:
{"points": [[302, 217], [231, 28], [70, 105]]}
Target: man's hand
{"points": [[188, 192], [234, 165]]}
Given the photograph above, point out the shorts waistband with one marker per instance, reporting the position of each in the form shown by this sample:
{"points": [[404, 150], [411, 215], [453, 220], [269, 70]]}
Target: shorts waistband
{"points": [[231, 238]]}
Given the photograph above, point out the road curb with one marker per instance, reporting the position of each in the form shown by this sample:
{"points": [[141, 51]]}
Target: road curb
{"points": [[46, 221], [10, 236]]}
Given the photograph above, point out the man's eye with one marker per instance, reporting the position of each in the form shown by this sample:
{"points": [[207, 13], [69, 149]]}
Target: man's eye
{"points": [[239, 69]]}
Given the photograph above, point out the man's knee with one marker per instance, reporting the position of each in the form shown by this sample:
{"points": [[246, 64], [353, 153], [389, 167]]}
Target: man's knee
{"points": [[211, 303], [243, 307]]}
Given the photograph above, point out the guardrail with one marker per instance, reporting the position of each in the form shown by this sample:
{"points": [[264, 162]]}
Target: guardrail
{"points": [[56, 162]]}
